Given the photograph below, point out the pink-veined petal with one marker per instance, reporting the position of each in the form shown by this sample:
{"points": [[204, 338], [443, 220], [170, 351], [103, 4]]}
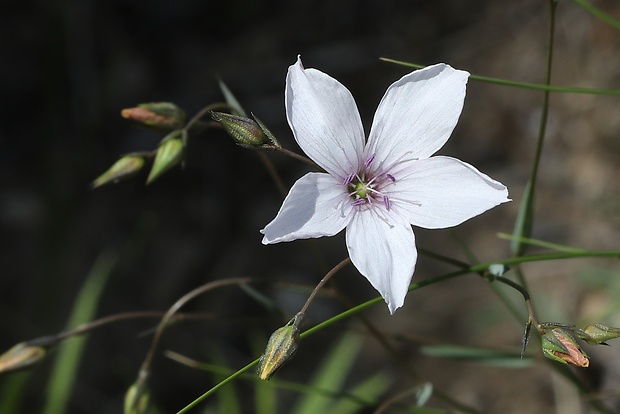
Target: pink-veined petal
{"points": [[317, 205], [384, 253], [417, 114], [444, 192], [325, 121]]}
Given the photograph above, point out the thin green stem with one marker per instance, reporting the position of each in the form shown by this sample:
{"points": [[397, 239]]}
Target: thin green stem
{"points": [[144, 372], [524, 85], [599, 13], [359, 308]]}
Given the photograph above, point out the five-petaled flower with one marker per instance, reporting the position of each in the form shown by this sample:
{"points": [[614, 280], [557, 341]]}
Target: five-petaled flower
{"points": [[377, 189]]}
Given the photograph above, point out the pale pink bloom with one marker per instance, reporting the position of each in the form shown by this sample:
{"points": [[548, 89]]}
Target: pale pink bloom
{"points": [[377, 189]]}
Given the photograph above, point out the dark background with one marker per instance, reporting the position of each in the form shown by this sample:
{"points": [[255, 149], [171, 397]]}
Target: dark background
{"points": [[69, 67]]}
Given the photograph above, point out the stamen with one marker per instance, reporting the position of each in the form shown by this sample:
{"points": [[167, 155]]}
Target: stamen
{"points": [[391, 177], [387, 203], [349, 178], [369, 161]]}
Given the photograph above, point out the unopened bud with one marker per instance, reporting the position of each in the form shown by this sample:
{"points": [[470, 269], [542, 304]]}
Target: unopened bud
{"points": [[280, 348], [169, 154], [158, 115], [136, 399], [249, 133], [21, 356], [559, 345], [598, 333], [125, 167]]}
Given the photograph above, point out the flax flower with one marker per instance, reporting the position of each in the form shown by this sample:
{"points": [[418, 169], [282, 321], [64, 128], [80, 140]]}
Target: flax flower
{"points": [[378, 188]]}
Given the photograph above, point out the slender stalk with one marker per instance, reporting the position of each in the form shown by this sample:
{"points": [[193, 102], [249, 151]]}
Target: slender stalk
{"points": [[318, 287], [144, 372], [296, 156], [516, 84]]}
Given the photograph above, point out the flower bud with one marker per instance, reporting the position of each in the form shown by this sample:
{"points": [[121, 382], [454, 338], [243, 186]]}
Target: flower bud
{"points": [[168, 155], [559, 345], [280, 348], [136, 399], [21, 356], [158, 115], [598, 333], [246, 132], [125, 167]]}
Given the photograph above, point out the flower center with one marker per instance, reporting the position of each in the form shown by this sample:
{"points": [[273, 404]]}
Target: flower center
{"points": [[366, 187], [360, 190]]}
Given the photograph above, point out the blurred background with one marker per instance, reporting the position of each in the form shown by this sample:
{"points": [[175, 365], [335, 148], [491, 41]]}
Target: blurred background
{"points": [[69, 67]]}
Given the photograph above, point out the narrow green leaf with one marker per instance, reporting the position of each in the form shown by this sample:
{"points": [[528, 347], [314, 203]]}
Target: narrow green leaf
{"points": [[523, 223], [11, 392], [231, 100], [330, 375], [478, 355], [70, 351], [369, 389], [599, 13]]}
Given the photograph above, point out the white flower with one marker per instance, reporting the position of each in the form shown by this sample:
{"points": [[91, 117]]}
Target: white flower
{"points": [[377, 189]]}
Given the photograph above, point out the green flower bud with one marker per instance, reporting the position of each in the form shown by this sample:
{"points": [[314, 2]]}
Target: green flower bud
{"points": [[125, 167], [559, 345], [136, 399], [280, 348], [246, 132], [598, 333], [169, 154], [21, 356], [158, 115]]}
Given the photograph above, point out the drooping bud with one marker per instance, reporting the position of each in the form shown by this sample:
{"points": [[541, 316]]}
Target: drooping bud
{"points": [[164, 116], [559, 345], [280, 348], [136, 399], [127, 166], [21, 356], [169, 154], [598, 333], [246, 132]]}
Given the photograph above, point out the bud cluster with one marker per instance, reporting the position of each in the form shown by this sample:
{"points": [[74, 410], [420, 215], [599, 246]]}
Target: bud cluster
{"points": [[559, 341]]}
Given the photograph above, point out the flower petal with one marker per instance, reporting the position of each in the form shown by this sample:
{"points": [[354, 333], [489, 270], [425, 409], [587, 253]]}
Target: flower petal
{"points": [[417, 114], [316, 206], [443, 192], [324, 119], [384, 253]]}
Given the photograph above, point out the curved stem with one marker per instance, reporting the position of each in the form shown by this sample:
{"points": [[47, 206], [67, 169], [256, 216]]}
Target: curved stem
{"points": [[318, 287], [145, 368]]}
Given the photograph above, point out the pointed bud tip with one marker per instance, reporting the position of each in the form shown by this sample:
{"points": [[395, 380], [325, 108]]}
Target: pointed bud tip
{"points": [[125, 167], [169, 154], [281, 347], [21, 356], [158, 115], [246, 132], [136, 400], [559, 345]]}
